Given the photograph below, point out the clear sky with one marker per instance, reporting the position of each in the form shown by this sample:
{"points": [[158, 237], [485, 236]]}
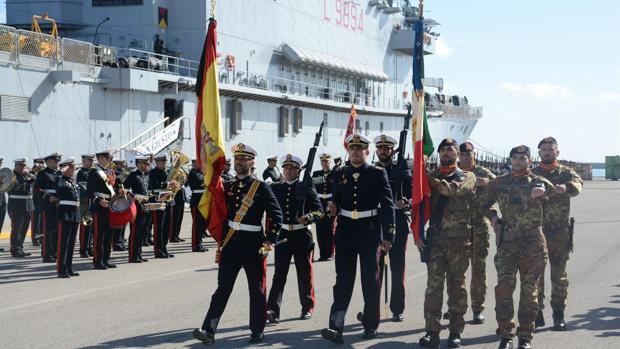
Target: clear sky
{"points": [[537, 67]]}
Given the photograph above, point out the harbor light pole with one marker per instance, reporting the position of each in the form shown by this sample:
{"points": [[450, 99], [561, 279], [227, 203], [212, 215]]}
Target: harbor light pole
{"points": [[97, 30]]}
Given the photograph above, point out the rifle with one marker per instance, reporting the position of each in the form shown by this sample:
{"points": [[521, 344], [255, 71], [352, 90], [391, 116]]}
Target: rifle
{"points": [[401, 163], [306, 184], [571, 228]]}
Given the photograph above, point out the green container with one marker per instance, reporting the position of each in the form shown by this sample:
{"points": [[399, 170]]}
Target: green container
{"points": [[612, 167]]}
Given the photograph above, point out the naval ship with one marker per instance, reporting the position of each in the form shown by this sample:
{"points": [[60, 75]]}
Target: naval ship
{"points": [[86, 75]]}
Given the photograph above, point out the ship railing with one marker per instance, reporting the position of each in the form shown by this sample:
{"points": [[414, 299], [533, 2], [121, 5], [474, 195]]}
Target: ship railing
{"points": [[78, 56], [8, 44], [145, 60]]}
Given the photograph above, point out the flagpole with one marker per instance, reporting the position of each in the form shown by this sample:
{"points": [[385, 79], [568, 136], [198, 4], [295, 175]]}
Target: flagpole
{"points": [[212, 10]]}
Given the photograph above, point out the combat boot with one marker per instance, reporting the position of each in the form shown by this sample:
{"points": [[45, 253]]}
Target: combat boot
{"points": [[558, 321], [540, 319], [524, 344], [505, 343], [430, 340], [478, 318], [454, 340]]}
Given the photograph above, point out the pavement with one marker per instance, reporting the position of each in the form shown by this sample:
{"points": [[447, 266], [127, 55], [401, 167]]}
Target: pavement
{"points": [[157, 304]]}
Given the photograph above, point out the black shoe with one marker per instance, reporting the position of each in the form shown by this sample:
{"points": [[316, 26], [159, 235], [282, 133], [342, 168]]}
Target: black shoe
{"points": [[272, 318], [332, 335], [540, 319], [360, 316], [145, 244], [478, 318], [110, 265], [25, 254], [305, 315], [369, 334], [181, 240], [135, 260], [175, 240], [505, 343], [170, 255], [150, 242], [203, 336], [446, 315], [199, 249], [64, 276], [524, 344], [430, 340], [161, 256], [72, 273], [99, 267], [49, 260], [119, 248], [558, 321], [84, 255], [144, 259], [454, 340], [256, 338], [397, 318]]}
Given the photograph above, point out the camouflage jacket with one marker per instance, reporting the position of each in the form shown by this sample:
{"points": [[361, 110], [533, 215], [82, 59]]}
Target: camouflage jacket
{"points": [[557, 209], [521, 215], [476, 215], [460, 190]]}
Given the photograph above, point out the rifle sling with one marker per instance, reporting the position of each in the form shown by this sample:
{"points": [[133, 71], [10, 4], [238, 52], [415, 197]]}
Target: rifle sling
{"points": [[247, 201]]}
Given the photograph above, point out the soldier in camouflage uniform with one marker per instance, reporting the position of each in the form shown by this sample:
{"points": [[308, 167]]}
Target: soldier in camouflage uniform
{"points": [[556, 229], [480, 227], [448, 260], [521, 244]]}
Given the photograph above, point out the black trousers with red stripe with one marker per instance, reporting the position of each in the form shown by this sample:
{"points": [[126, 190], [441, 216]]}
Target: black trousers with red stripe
{"points": [[102, 236], [67, 233], [49, 225], [118, 237], [397, 267], [241, 252], [19, 227], [177, 219], [305, 276], [86, 238], [137, 232], [325, 235], [199, 228], [161, 230], [35, 224]]}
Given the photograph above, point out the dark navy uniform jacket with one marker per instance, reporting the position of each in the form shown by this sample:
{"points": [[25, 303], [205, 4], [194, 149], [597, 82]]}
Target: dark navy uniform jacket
{"points": [[287, 195], [363, 189], [195, 181], [97, 184], [271, 173], [158, 180], [68, 190], [138, 182], [23, 187], [324, 184], [45, 185], [397, 194]]}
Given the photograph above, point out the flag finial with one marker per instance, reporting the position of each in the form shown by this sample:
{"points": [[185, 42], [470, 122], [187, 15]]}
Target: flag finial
{"points": [[212, 11]]}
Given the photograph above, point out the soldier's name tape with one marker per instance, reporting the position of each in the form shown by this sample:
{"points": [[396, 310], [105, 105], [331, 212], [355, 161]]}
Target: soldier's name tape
{"points": [[291, 227], [325, 196], [21, 197], [246, 227], [355, 214]]}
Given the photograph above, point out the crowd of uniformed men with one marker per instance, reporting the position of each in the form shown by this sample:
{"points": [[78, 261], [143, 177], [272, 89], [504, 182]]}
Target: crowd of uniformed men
{"points": [[358, 214]]}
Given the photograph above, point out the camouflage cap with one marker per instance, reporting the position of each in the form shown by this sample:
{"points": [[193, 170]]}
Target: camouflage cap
{"points": [[447, 142], [520, 150], [466, 147], [547, 140]]}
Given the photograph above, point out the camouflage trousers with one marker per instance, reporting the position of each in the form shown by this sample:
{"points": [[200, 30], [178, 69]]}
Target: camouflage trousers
{"points": [[448, 262], [559, 249], [528, 257], [479, 253]]}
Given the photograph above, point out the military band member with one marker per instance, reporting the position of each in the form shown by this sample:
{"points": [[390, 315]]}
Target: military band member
{"points": [[20, 207], [271, 173], [362, 230], [196, 183], [158, 183], [337, 163], [402, 201], [297, 216], [118, 234], [100, 190], [45, 191], [521, 244], [177, 215], [448, 260], [69, 218], [35, 221], [243, 237], [138, 183], [480, 228], [323, 180], [556, 228], [86, 231]]}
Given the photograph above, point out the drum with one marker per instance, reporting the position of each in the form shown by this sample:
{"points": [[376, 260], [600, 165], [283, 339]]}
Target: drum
{"points": [[122, 211]]}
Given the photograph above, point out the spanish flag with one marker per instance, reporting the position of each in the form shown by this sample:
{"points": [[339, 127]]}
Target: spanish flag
{"points": [[209, 136]]}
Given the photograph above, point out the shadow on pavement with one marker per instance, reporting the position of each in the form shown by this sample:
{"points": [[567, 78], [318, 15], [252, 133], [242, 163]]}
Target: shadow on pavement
{"points": [[604, 319]]}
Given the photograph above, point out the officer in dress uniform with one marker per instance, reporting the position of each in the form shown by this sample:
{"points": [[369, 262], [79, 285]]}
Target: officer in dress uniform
{"points": [[323, 180], [138, 183], [86, 231], [100, 190], [35, 221], [247, 200], [118, 234], [402, 199], [196, 183], [69, 218], [300, 245], [362, 230], [20, 207], [45, 191], [271, 173], [158, 183]]}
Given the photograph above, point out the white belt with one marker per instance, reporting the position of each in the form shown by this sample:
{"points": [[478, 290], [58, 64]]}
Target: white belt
{"points": [[24, 197], [102, 195], [198, 191], [325, 196], [69, 203], [246, 227], [157, 190], [50, 191], [355, 214], [291, 227], [83, 183]]}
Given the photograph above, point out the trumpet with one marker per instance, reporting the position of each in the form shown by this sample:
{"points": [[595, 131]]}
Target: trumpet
{"points": [[87, 219]]}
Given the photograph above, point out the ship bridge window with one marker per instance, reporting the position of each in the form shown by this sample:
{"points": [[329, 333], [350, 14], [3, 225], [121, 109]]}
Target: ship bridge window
{"points": [[283, 121], [234, 110], [358, 125], [297, 120]]}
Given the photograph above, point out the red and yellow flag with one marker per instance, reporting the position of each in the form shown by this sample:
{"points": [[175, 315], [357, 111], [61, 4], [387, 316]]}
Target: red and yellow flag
{"points": [[350, 126], [209, 136]]}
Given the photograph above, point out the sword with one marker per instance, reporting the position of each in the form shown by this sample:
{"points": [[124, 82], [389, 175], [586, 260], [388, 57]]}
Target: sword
{"points": [[265, 249], [386, 261]]}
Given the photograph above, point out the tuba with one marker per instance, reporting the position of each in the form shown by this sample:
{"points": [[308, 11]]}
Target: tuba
{"points": [[176, 172], [7, 180]]}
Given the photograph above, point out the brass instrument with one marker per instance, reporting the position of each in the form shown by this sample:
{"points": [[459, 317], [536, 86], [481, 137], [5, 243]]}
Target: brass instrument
{"points": [[87, 219], [7, 180], [176, 172]]}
